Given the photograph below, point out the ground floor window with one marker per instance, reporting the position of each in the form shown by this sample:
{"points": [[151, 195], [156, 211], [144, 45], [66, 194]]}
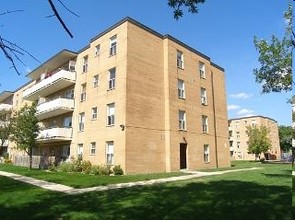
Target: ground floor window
{"points": [[80, 150], [206, 154], [92, 148], [110, 152]]}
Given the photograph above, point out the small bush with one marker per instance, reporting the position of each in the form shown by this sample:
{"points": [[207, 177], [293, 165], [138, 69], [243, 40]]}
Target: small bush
{"points": [[262, 160], [105, 170], [66, 167], [117, 170], [86, 166], [6, 156], [77, 164], [7, 161], [95, 170]]}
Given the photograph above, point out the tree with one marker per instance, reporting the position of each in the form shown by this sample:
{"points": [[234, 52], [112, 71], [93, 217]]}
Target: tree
{"points": [[285, 134], [25, 129], [275, 57], [177, 5], [259, 141], [5, 126]]}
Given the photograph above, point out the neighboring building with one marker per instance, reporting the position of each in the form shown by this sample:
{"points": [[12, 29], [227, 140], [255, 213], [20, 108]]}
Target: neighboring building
{"points": [[238, 137], [132, 97]]}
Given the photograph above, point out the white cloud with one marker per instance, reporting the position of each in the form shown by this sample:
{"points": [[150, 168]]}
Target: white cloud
{"points": [[233, 107], [241, 95], [28, 69], [245, 112]]}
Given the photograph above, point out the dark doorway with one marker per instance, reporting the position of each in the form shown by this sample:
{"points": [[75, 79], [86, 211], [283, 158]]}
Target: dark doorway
{"points": [[182, 155]]}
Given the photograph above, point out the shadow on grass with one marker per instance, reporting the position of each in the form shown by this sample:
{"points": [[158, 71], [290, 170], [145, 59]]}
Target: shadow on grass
{"points": [[224, 199]]}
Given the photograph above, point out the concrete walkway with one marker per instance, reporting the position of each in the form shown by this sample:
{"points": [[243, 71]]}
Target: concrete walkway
{"points": [[72, 191]]}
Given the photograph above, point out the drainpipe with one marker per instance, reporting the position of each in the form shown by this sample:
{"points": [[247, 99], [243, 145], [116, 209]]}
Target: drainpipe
{"points": [[214, 119]]}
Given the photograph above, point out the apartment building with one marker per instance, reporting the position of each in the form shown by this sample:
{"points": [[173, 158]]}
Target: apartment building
{"points": [[238, 138], [132, 97]]}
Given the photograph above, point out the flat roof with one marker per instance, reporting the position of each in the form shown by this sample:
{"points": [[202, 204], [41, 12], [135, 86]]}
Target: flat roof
{"points": [[254, 116]]}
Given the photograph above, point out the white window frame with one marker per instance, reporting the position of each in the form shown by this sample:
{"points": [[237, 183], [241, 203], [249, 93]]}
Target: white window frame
{"points": [[112, 78], [204, 100], [92, 148], [95, 81], [80, 150], [113, 45], [85, 64], [81, 121], [97, 50], [94, 113], [110, 152], [181, 89], [111, 114], [83, 93], [206, 153], [205, 128], [202, 70], [181, 120], [180, 59]]}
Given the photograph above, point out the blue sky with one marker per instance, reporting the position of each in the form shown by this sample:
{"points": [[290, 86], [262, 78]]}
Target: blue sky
{"points": [[223, 30]]}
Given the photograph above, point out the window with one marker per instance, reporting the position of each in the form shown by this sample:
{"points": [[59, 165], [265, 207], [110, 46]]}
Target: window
{"points": [[113, 45], [110, 152], [203, 96], [238, 145], [95, 81], [111, 114], [97, 50], [205, 124], [85, 64], [81, 121], [181, 119], [202, 70], [112, 79], [68, 122], [206, 154], [69, 94], [181, 91], [83, 92], [94, 113], [92, 148], [80, 150], [180, 59]]}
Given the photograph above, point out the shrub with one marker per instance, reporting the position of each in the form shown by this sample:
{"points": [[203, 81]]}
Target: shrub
{"points": [[6, 156], [66, 167], [117, 170], [77, 164], [95, 170], [105, 170], [86, 166], [262, 160]]}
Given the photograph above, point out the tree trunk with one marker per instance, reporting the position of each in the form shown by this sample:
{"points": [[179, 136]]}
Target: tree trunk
{"points": [[31, 158]]}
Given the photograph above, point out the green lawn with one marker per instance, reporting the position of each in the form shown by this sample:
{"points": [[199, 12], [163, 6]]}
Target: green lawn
{"points": [[257, 194]]}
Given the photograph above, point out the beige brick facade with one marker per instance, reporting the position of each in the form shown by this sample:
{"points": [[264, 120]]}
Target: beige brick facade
{"points": [[238, 137], [142, 100]]}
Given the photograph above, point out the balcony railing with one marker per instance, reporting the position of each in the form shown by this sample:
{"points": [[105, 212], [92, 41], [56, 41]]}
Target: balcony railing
{"points": [[47, 86], [55, 134], [5, 107], [54, 107]]}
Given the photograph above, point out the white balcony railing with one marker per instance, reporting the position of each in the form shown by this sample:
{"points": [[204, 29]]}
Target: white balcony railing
{"points": [[61, 79], [55, 133], [5, 107], [54, 107]]}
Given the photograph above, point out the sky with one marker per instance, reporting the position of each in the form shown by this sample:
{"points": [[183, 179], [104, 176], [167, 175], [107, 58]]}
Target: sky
{"points": [[223, 30]]}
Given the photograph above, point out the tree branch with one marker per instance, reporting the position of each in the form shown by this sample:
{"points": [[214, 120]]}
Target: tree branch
{"points": [[59, 18]]}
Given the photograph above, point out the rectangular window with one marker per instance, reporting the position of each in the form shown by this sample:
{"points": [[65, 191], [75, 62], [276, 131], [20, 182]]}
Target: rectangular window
{"points": [[111, 114], [205, 124], [94, 113], [83, 92], [67, 122], [92, 148], [110, 152], [85, 64], [81, 120], [97, 50], [180, 59], [202, 70], [95, 81], [113, 45], [69, 94], [181, 89], [206, 154], [203, 96], [80, 150], [181, 119], [112, 79]]}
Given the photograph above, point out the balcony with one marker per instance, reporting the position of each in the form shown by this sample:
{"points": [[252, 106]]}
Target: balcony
{"points": [[5, 107], [54, 107], [53, 83], [55, 135]]}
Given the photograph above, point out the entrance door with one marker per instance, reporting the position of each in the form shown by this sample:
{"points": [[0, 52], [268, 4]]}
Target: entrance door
{"points": [[182, 155]]}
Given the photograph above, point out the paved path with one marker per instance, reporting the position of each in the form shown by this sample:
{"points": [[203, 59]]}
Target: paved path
{"points": [[70, 190]]}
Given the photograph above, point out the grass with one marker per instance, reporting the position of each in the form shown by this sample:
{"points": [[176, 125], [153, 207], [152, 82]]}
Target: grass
{"points": [[257, 194], [79, 180]]}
